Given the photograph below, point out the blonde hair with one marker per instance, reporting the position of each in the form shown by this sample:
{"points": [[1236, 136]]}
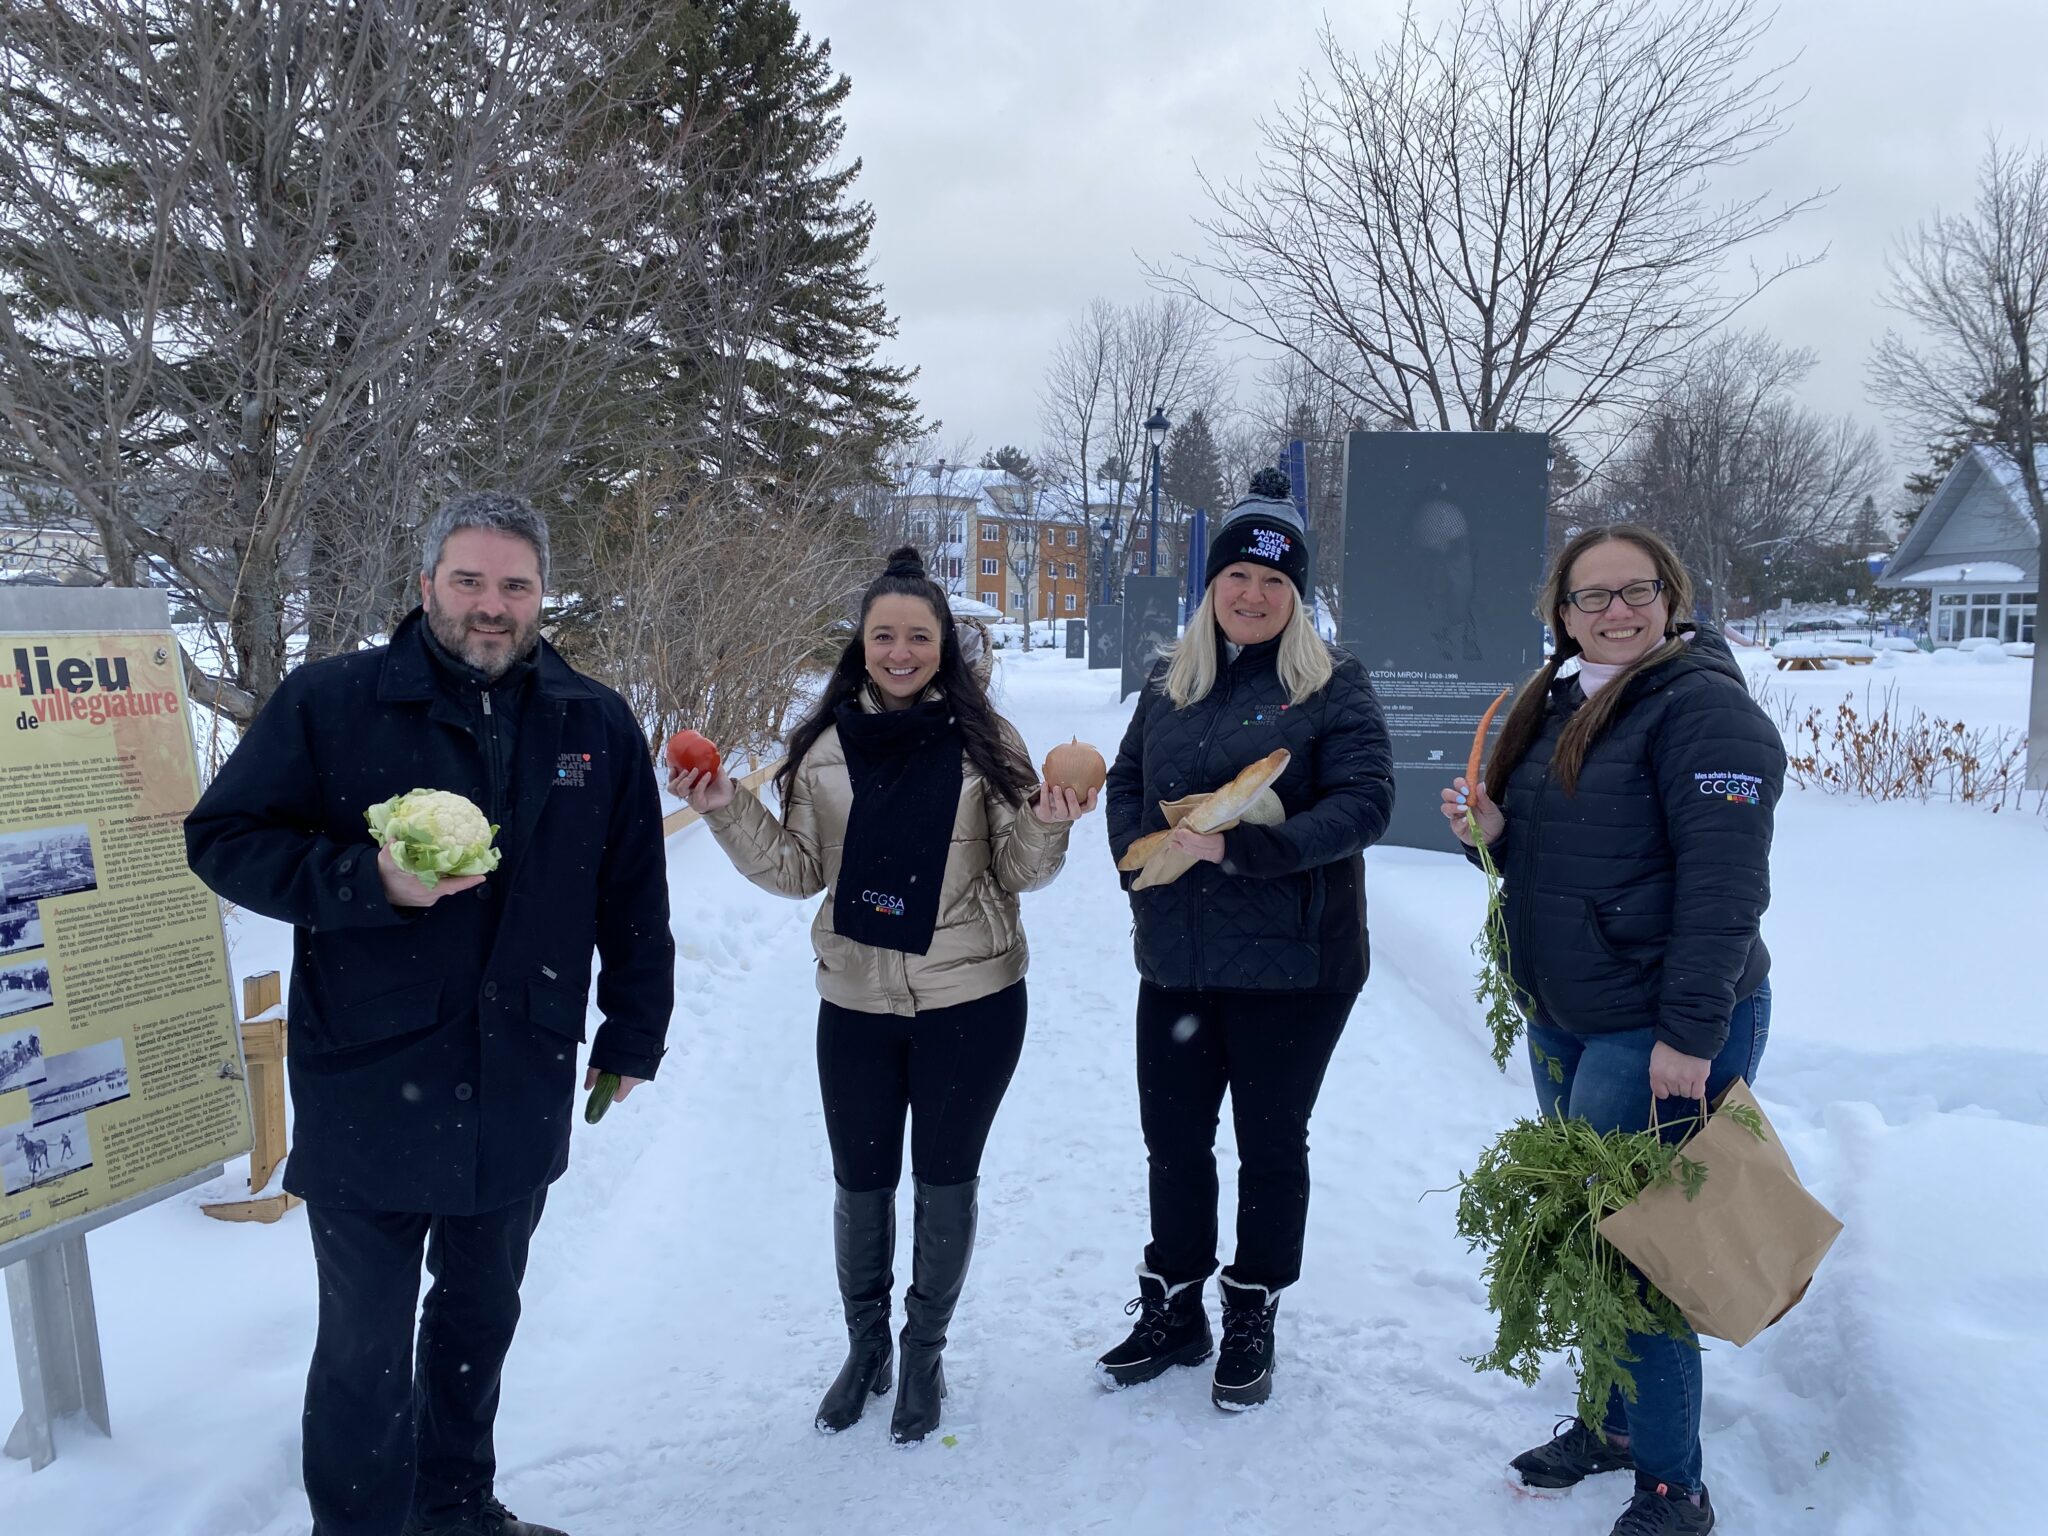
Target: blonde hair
{"points": [[1303, 659]]}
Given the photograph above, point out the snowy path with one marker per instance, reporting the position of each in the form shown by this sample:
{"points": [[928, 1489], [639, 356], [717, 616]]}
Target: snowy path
{"points": [[681, 1317]]}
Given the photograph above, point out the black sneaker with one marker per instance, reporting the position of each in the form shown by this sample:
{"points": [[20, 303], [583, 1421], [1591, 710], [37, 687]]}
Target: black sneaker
{"points": [[1172, 1329], [1573, 1456], [1244, 1365], [1659, 1510], [490, 1519]]}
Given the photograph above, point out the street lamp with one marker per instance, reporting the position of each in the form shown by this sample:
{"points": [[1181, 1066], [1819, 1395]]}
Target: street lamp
{"points": [[1108, 529], [1156, 428]]}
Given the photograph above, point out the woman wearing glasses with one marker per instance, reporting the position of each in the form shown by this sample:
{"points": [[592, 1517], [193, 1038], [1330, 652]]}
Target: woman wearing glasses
{"points": [[1628, 801]]}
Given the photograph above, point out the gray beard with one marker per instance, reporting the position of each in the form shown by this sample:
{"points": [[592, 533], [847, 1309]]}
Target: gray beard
{"points": [[454, 638]]}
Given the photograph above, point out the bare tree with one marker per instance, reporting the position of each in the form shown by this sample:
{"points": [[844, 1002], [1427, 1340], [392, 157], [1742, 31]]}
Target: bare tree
{"points": [[1974, 288], [1739, 475], [1073, 407], [1505, 222], [1113, 367], [1246, 442], [271, 273], [1024, 555], [955, 497], [777, 564], [1297, 399], [887, 504]]}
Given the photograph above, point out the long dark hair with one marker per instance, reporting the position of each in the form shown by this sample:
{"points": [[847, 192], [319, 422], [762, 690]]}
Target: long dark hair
{"points": [[1525, 721], [1002, 765]]}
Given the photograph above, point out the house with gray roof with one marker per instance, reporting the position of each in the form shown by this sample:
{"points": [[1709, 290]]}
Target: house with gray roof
{"points": [[1976, 551]]}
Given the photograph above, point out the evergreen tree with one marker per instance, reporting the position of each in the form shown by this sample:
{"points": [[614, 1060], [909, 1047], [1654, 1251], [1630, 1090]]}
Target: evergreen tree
{"points": [[1192, 471], [1993, 418], [774, 355], [1190, 476], [1012, 461]]}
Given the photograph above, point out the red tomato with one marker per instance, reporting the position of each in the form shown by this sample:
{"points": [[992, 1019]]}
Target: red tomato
{"points": [[689, 752]]}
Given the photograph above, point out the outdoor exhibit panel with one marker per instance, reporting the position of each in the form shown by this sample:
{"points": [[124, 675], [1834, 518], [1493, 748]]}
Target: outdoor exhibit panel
{"points": [[1151, 623], [120, 1058], [1443, 553]]}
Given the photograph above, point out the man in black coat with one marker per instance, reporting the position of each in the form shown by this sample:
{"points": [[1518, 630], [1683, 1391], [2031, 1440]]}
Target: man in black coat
{"points": [[434, 1029]]}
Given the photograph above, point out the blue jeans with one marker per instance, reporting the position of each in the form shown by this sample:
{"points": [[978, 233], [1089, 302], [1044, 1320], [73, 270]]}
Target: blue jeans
{"points": [[1607, 1084]]}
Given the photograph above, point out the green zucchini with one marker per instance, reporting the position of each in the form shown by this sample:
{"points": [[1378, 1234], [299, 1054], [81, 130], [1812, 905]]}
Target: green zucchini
{"points": [[600, 1098]]}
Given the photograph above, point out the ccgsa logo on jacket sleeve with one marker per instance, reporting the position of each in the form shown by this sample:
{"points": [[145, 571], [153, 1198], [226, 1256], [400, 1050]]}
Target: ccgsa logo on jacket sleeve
{"points": [[1744, 788]]}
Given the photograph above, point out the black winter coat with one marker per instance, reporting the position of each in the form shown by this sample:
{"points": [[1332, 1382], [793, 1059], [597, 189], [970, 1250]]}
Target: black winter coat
{"points": [[1637, 901], [432, 1056], [1285, 910]]}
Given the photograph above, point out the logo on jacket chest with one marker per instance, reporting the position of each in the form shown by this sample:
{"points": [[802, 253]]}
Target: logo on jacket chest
{"points": [[1265, 713], [883, 903], [571, 769]]}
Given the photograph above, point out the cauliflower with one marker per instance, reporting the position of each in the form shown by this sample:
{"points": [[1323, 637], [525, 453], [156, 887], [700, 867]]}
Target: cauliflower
{"points": [[435, 832]]}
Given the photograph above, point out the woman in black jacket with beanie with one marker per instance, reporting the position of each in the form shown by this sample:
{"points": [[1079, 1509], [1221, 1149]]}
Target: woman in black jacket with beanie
{"points": [[1629, 803], [1249, 962]]}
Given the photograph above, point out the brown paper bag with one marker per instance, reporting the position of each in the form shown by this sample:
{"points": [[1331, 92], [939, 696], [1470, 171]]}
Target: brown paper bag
{"points": [[1740, 1254]]}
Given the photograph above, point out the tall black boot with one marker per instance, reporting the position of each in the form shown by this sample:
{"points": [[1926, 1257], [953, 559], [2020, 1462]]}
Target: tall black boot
{"points": [[864, 1242], [944, 1243]]}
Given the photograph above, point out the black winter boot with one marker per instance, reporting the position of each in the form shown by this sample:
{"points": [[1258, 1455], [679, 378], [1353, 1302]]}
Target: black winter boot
{"points": [[943, 1243], [1659, 1510], [1244, 1365], [1571, 1456], [864, 1243], [490, 1519], [1172, 1329]]}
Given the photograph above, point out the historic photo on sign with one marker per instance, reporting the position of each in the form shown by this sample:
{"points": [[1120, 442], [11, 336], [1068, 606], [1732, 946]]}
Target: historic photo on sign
{"points": [[21, 1060], [80, 1080], [31, 1157]]}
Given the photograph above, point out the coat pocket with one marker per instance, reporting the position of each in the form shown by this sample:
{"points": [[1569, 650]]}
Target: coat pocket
{"points": [[405, 1011], [1637, 964], [1598, 929], [1313, 900], [557, 1010]]}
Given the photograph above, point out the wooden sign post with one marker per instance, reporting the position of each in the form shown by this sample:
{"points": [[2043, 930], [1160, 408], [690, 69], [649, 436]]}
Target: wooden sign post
{"points": [[263, 1043]]}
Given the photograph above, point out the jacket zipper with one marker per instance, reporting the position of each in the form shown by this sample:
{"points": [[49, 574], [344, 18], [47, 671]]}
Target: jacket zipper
{"points": [[491, 774], [1518, 940], [1201, 752]]}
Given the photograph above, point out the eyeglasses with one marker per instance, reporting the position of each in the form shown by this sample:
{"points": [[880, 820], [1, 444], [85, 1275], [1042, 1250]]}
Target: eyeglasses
{"points": [[1637, 594]]}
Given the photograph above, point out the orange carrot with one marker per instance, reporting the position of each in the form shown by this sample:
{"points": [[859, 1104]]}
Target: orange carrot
{"points": [[1479, 739]]}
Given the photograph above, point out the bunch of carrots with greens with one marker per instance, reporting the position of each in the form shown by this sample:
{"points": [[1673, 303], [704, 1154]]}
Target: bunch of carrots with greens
{"points": [[1534, 1205], [1496, 991]]}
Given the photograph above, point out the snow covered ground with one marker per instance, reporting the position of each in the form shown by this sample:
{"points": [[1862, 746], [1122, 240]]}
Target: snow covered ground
{"points": [[681, 1316]]}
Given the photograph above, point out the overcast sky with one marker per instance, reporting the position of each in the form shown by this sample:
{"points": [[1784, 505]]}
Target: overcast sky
{"points": [[1023, 158]]}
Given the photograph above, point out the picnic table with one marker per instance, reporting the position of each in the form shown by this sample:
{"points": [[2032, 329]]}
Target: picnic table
{"points": [[1814, 655]]}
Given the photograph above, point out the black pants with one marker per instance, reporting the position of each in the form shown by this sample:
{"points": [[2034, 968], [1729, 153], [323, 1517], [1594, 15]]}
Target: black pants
{"points": [[384, 1439], [947, 1068], [1270, 1049]]}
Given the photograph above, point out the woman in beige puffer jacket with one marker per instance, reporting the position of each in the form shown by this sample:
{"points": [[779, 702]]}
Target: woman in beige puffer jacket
{"points": [[998, 852], [913, 805]]}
